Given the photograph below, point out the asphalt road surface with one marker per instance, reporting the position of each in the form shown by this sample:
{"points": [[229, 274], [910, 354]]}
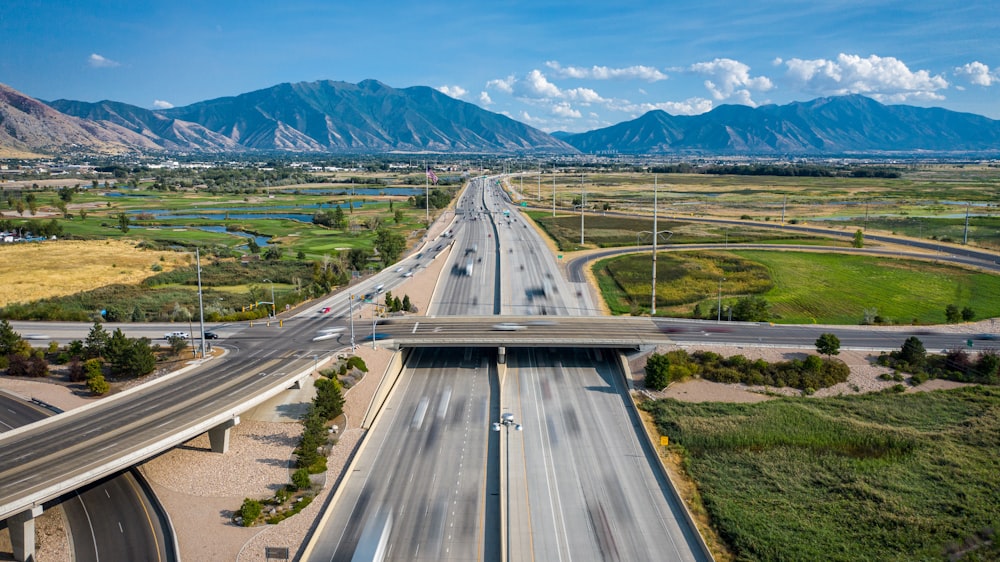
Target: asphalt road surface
{"points": [[110, 520]]}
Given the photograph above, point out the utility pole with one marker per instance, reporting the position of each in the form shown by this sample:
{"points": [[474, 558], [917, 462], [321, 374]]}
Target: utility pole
{"points": [[583, 202], [965, 237], [652, 305], [201, 307]]}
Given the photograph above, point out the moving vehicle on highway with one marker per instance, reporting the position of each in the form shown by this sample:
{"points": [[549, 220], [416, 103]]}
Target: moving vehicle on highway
{"points": [[468, 267], [210, 335], [181, 335]]}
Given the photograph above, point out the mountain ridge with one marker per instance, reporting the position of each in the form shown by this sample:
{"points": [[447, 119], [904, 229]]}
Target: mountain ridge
{"points": [[327, 116]]}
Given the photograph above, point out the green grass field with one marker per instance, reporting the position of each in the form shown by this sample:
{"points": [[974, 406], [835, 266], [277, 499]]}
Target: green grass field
{"points": [[615, 231], [802, 287], [870, 477]]}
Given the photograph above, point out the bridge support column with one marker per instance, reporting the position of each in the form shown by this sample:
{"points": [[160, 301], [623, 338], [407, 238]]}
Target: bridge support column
{"points": [[502, 355], [22, 533], [218, 436]]}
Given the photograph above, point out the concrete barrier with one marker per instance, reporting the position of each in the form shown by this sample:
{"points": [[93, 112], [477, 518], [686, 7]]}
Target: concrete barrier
{"points": [[648, 441], [385, 386]]}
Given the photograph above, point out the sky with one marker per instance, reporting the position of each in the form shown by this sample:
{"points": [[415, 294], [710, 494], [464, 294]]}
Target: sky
{"points": [[555, 65]]}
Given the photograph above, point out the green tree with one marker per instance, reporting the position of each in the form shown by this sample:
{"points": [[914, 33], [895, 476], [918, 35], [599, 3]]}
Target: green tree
{"points": [[397, 216], [97, 341], [273, 253], [329, 398], [9, 339], [129, 357], [913, 353], [751, 309], [952, 314], [407, 305], [339, 218], [859, 239], [358, 258], [657, 371], [968, 314], [389, 244], [828, 344], [253, 246], [300, 479], [250, 511], [123, 222]]}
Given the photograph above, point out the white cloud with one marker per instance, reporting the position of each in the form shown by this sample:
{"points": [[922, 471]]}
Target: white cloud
{"points": [[505, 85], [97, 61], [640, 72], [160, 104], [563, 109], [882, 78], [484, 98], [690, 106], [728, 78], [978, 73], [585, 96], [536, 85], [453, 91]]}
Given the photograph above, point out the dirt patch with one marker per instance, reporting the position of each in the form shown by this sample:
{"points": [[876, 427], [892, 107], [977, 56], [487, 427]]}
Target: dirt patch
{"points": [[66, 267]]}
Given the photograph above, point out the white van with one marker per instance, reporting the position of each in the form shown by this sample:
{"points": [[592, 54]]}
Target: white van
{"points": [[181, 335]]}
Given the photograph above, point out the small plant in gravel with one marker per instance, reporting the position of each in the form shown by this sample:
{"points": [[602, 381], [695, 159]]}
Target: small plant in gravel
{"points": [[249, 512]]}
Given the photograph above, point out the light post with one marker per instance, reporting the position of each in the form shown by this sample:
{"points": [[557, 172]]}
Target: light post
{"points": [[719, 319], [273, 306], [583, 203], [507, 421], [201, 305], [352, 321]]}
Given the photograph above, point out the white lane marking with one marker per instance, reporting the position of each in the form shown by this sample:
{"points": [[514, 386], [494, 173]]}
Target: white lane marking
{"points": [[415, 325]]}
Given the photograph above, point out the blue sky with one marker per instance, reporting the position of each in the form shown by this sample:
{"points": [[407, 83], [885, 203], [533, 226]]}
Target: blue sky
{"points": [[572, 66]]}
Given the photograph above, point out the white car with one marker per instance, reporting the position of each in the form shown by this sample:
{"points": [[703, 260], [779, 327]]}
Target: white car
{"points": [[508, 327], [181, 335]]}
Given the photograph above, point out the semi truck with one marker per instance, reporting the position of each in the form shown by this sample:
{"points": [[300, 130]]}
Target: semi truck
{"points": [[468, 267]]}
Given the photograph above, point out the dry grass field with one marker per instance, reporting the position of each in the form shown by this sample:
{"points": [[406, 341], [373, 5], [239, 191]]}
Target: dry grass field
{"points": [[38, 270]]}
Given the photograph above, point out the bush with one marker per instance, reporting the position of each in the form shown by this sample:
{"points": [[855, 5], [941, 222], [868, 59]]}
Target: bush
{"points": [[250, 511], [98, 385], [355, 362], [300, 478]]}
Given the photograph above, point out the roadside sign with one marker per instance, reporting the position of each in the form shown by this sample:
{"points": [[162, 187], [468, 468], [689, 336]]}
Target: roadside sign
{"points": [[558, 256], [524, 203], [664, 440]]}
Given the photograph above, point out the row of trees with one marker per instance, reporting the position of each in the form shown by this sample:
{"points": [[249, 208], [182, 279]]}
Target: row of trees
{"points": [[956, 364], [808, 374]]}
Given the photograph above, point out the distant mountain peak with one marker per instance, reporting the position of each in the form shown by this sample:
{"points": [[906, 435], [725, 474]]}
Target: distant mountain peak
{"points": [[839, 125]]}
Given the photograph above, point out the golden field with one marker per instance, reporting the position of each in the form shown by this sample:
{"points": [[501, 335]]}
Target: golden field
{"points": [[37, 270]]}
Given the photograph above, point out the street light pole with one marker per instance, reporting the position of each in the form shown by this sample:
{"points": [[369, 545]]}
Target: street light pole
{"points": [[274, 310], [352, 320], [652, 305], [507, 420], [201, 306], [719, 319], [583, 202]]}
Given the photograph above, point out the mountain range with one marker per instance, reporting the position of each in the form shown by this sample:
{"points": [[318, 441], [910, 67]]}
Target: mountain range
{"points": [[329, 116]]}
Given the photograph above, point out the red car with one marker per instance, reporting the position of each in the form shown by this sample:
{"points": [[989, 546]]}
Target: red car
{"points": [[325, 309]]}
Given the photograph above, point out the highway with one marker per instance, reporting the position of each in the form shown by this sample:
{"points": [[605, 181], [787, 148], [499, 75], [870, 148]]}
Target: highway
{"points": [[584, 486], [113, 519], [558, 494], [425, 461]]}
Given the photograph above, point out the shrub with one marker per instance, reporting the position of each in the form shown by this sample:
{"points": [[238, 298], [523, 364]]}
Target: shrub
{"points": [[300, 478], [98, 385], [250, 511], [355, 362]]}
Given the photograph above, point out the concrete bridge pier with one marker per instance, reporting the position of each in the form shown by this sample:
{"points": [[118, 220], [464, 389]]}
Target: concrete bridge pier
{"points": [[218, 436], [22, 533], [502, 355]]}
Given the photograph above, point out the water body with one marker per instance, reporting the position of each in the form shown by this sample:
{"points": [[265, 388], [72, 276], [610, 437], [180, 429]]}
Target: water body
{"points": [[262, 241]]}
